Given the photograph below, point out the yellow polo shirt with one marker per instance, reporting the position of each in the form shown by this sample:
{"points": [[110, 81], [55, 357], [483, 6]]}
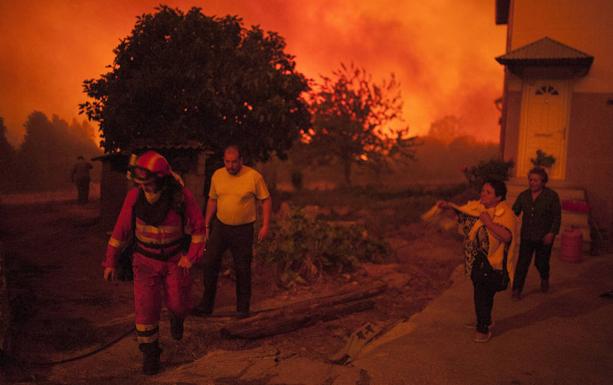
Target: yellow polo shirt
{"points": [[236, 195]]}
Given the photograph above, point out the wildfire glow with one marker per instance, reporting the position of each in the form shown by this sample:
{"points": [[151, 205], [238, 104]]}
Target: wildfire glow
{"points": [[440, 50]]}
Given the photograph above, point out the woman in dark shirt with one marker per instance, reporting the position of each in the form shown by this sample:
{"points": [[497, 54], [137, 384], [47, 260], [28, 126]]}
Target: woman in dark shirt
{"points": [[541, 218]]}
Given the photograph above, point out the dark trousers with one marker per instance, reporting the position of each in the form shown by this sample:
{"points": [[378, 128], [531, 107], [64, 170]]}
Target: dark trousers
{"points": [[484, 303], [239, 239], [82, 190], [541, 252]]}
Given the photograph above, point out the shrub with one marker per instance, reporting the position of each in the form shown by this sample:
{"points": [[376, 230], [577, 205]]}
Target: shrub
{"points": [[542, 159], [333, 248]]}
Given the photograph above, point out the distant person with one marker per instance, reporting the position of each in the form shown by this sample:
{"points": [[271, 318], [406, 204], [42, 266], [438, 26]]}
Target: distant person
{"points": [[489, 228], [155, 214], [230, 216], [541, 219], [80, 177]]}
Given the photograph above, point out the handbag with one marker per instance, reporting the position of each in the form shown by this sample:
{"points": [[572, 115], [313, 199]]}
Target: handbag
{"points": [[482, 271]]}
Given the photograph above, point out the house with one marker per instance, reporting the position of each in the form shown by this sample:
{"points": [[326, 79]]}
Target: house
{"points": [[558, 98], [188, 160]]}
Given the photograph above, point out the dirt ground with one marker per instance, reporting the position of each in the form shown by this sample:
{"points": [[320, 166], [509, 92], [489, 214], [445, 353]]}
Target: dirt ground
{"points": [[63, 309]]}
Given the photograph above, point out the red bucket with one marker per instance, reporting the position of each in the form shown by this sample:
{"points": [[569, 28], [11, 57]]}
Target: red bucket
{"points": [[571, 245]]}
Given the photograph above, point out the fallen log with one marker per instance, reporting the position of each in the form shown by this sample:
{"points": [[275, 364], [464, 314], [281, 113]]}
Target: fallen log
{"points": [[319, 302], [258, 327], [302, 314]]}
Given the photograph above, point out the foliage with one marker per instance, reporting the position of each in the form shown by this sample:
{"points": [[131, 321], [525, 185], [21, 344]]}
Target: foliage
{"points": [[298, 238], [542, 159], [491, 169], [190, 77], [49, 151], [352, 119]]}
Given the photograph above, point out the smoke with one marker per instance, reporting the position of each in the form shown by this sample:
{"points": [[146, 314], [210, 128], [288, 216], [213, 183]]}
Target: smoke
{"points": [[441, 50]]}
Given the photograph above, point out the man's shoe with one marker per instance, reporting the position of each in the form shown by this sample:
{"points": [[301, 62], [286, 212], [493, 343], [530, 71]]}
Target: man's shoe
{"points": [[202, 310], [544, 285], [473, 325], [482, 337], [176, 327], [516, 296], [243, 314], [151, 358]]}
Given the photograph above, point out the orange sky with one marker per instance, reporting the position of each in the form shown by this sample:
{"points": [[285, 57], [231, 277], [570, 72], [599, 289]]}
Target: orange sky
{"points": [[442, 51]]}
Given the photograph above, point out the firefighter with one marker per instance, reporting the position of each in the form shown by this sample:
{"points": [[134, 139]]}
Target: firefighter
{"points": [[159, 215]]}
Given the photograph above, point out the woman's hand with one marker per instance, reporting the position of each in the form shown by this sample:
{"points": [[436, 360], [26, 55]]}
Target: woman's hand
{"points": [[485, 218], [499, 231]]}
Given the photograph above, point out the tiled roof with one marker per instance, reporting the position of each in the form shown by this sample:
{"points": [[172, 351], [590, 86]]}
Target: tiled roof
{"points": [[140, 146], [545, 50], [189, 145]]}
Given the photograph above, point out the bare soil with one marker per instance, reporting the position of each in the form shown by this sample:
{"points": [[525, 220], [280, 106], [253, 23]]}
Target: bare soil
{"points": [[62, 309]]}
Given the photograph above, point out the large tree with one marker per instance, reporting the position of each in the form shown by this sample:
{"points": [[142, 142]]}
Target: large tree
{"points": [[356, 121], [188, 76]]}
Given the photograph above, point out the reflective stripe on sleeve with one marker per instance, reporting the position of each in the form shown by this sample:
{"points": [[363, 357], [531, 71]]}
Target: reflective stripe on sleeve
{"points": [[197, 238], [114, 242]]}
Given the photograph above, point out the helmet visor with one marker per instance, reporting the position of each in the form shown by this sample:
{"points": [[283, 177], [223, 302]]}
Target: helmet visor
{"points": [[141, 175]]}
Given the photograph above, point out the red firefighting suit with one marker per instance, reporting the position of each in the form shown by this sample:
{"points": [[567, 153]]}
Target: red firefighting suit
{"points": [[158, 250]]}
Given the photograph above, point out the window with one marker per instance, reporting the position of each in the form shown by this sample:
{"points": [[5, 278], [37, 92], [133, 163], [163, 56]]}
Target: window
{"points": [[546, 90]]}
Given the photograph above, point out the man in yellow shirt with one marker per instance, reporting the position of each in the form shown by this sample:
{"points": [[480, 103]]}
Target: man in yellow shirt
{"points": [[230, 215]]}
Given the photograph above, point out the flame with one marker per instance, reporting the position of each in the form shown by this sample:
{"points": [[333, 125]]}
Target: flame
{"points": [[440, 50]]}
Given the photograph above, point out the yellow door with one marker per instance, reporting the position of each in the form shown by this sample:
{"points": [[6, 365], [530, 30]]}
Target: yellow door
{"points": [[544, 124]]}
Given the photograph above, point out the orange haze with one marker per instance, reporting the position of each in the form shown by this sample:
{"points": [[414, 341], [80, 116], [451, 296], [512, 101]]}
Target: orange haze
{"points": [[442, 51]]}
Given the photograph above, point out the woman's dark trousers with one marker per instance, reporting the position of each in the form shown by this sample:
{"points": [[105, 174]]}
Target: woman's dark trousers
{"points": [[484, 303], [542, 254]]}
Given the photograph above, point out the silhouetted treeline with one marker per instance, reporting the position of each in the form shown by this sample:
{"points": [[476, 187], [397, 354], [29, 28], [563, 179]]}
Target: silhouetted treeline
{"points": [[444, 160], [45, 158], [7, 160], [438, 161]]}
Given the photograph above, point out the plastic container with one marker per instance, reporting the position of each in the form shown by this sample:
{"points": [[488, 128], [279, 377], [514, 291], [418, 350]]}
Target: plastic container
{"points": [[571, 245], [575, 206]]}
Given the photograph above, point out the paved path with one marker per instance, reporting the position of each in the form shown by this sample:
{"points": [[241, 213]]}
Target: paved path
{"points": [[564, 337]]}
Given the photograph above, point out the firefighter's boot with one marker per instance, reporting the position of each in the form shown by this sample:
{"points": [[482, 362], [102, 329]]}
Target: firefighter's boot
{"points": [[176, 326], [151, 357]]}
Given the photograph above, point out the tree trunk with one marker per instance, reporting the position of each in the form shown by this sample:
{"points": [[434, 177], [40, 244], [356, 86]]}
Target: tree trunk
{"points": [[259, 328], [302, 314]]}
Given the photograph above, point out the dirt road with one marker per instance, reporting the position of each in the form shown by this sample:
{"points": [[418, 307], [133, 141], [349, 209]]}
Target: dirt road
{"points": [[63, 308]]}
